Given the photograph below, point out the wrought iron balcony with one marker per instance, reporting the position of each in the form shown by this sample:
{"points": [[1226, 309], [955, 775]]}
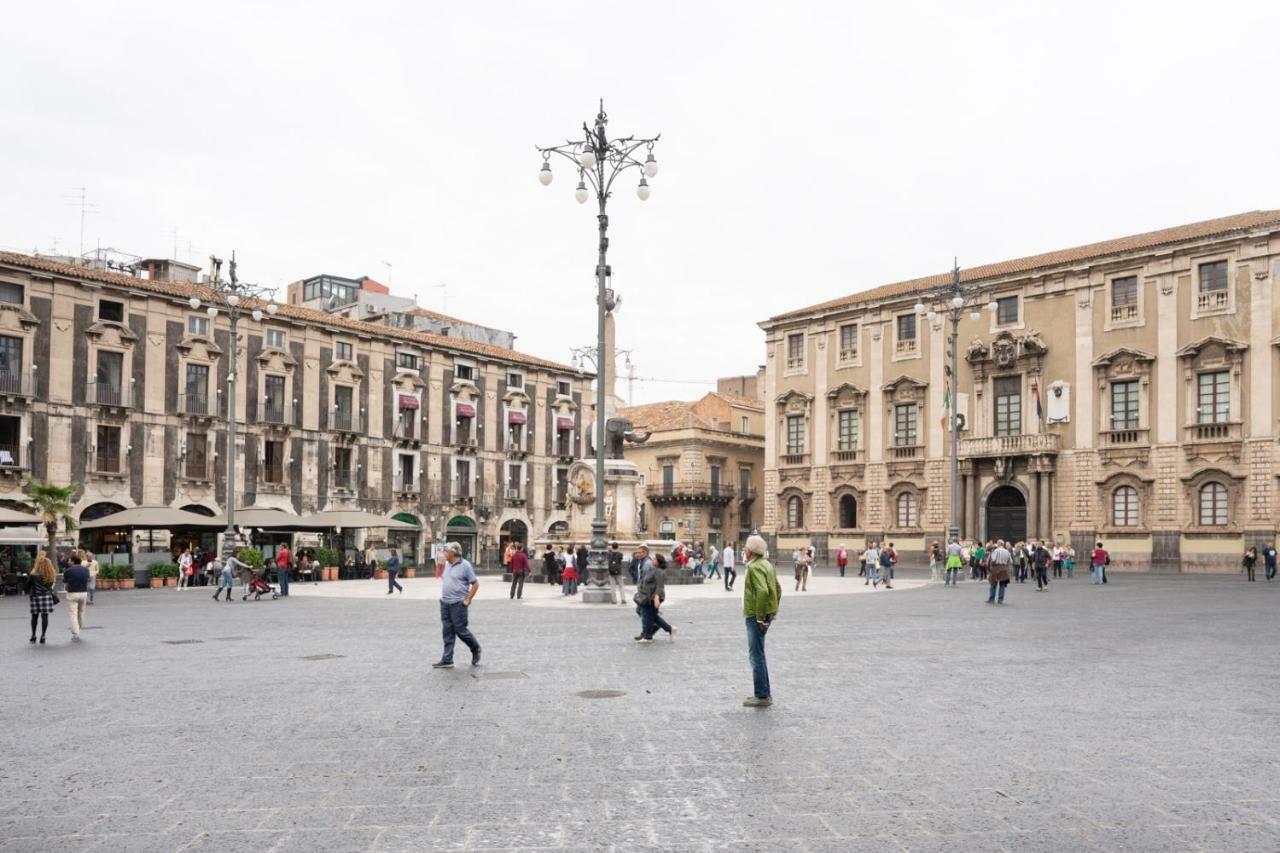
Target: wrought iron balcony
{"points": [[403, 485], [13, 458], [408, 429], [276, 413], [17, 385], [109, 394], [346, 421], [194, 405], [1011, 445], [690, 491]]}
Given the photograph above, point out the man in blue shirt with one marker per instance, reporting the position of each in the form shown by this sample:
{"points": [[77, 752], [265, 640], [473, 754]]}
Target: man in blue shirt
{"points": [[393, 569], [76, 580], [458, 586]]}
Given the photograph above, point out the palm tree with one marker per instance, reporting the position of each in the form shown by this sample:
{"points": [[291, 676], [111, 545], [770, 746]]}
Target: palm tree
{"points": [[52, 503]]}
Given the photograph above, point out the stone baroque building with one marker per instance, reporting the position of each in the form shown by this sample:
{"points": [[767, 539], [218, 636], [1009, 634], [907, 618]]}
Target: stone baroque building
{"points": [[115, 383], [702, 466], [1123, 390]]}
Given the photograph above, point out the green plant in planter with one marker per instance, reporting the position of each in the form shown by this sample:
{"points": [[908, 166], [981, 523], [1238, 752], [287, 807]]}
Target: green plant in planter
{"points": [[328, 557], [159, 570], [251, 557], [107, 572]]}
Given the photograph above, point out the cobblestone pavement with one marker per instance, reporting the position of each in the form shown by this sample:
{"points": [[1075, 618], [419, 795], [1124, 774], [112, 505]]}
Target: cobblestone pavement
{"points": [[1136, 716]]}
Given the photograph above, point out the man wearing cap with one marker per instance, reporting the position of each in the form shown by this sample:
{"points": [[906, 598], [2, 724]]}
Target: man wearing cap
{"points": [[458, 586]]}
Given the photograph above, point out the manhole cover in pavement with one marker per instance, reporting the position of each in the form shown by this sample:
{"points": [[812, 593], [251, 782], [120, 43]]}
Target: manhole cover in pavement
{"points": [[499, 676], [322, 657], [600, 694], [180, 642]]}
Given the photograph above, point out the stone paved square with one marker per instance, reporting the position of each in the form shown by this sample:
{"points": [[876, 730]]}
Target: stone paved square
{"points": [[1139, 716]]}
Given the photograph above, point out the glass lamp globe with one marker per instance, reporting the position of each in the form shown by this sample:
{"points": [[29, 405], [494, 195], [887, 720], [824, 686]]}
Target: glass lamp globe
{"points": [[581, 193], [975, 314], [211, 311], [194, 303], [933, 315], [587, 158], [233, 300], [919, 307], [257, 315], [650, 166], [544, 174], [643, 190], [272, 308], [957, 302], [992, 306]]}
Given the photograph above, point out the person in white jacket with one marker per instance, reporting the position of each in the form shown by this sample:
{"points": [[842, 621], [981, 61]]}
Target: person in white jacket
{"points": [[729, 574]]}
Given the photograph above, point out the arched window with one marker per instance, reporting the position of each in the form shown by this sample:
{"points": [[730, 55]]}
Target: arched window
{"points": [[848, 511], [1213, 505], [795, 512], [907, 511], [1124, 507]]}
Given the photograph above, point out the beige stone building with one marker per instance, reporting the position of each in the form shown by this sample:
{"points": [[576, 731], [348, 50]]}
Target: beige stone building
{"points": [[113, 382], [702, 467], [1124, 390]]}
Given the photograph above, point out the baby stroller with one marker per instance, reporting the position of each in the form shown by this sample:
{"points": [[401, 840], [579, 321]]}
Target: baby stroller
{"points": [[257, 586]]}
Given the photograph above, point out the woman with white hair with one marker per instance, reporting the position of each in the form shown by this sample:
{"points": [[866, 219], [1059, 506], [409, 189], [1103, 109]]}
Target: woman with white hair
{"points": [[761, 595]]}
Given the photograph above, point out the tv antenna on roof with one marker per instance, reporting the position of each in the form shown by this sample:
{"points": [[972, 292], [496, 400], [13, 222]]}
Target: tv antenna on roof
{"points": [[81, 200]]}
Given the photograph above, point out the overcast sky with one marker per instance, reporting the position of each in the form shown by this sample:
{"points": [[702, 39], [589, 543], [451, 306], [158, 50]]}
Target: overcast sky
{"points": [[808, 149]]}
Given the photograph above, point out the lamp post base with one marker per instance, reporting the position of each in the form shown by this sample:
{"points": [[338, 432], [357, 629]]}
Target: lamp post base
{"points": [[595, 588]]}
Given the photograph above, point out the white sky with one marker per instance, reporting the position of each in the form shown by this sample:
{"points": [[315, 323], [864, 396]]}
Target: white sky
{"points": [[809, 149]]}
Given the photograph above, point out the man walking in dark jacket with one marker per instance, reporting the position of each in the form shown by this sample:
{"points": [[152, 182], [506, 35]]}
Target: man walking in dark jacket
{"points": [[519, 568]]}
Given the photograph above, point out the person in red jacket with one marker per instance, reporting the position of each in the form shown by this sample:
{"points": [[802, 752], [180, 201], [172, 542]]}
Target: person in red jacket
{"points": [[1098, 562], [570, 578], [519, 565]]}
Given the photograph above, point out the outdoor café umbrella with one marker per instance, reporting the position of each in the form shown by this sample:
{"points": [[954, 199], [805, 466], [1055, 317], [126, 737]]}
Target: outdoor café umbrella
{"points": [[153, 518], [14, 518]]}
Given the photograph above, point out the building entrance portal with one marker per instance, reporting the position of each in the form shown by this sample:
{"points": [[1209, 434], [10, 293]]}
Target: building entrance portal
{"points": [[1007, 515]]}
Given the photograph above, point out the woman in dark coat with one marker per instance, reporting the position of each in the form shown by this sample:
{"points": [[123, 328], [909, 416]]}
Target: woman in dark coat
{"points": [[40, 589]]}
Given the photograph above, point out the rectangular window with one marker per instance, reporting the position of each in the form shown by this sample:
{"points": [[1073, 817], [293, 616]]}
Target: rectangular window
{"points": [[310, 291], [1006, 310], [1213, 276], [407, 360], [197, 325], [1008, 400], [10, 442], [107, 451], [109, 378], [405, 474], [10, 361], [849, 342], [668, 478], [1213, 505], [343, 351], [744, 483], [795, 434], [14, 294], [1124, 405], [562, 485], [342, 467], [343, 407], [847, 422], [275, 338], [274, 409], [744, 425], [515, 481], [273, 462], [1213, 398], [515, 380], [111, 310], [462, 470], [197, 455], [714, 471], [197, 389], [905, 325], [1124, 298], [464, 372], [904, 424], [564, 441], [795, 351], [564, 389]]}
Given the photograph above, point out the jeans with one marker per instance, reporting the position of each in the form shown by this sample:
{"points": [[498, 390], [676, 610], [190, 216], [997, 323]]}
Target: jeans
{"points": [[648, 620], [953, 576], [755, 651], [842, 568], [729, 577], [615, 582], [1042, 579], [713, 571], [569, 587], [997, 586], [1271, 573], [517, 585], [392, 583], [1097, 572], [93, 584], [282, 578], [75, 611], [453, 619]]}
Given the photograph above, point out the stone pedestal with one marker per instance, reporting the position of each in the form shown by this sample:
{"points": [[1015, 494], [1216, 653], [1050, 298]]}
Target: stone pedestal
{"points": [[621, 507]]}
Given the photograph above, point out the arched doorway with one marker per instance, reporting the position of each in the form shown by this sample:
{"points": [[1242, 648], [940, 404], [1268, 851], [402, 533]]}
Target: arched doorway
{"points": [[406, 541], [558, 529], [848, 512], [462, 530], [1006, 514], [512, 530], [103, 541]]}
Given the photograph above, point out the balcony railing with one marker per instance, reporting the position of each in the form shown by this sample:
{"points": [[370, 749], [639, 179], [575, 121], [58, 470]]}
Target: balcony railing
{"points": [[273, 475], [905, 346], [564, 450], [1222, 431], [107, 463], [848, 355], [17, 385], [1122, 313], [517, 447], [746, 494], [408, 429], [108, 394], [845, 455], [196, 469], [1124, 437], [12, 457], [194, 404], [277, 412], [464, 441], [1011, 445], [343, 480], [513, 495], [405, 485], [346, 421], [1213, 300], [907, 451], [795, 459], [690, 491]]}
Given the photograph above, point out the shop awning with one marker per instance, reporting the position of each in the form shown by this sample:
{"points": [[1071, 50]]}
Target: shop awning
{"points": [[564, 423], [465, 410], [515, 417], [408, 401], [154, 518], [277, 519], [267, 518], [14, 518]]}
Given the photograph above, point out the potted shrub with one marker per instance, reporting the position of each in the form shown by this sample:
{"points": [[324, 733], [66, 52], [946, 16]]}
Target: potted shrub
{"points": [[410, 571], [171, 574], [380, 572], [251, 557], [328, 558], [163, 574], [124, 576], [106, 577]]}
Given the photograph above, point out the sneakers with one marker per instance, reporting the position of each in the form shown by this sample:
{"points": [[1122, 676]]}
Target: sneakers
{"points": [[442, 664], [644, 640], [475, 659], [75, 638], [672, 636], [757, 702]]}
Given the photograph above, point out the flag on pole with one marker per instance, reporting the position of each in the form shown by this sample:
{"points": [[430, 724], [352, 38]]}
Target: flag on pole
{"points": [[1035, 392], [946, 407]]}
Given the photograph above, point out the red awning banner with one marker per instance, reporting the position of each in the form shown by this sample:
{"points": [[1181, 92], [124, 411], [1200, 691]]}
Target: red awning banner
{"points": [[466, 410], [515, 417], [564, 423], [408, 401]]}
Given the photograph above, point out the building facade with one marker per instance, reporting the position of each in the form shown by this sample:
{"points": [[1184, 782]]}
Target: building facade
{"points": [[113, 382], [1123, 390], [702, 467]]}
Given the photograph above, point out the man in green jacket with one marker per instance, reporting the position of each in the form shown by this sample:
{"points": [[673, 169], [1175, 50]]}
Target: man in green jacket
{"points": [[760, 597]]}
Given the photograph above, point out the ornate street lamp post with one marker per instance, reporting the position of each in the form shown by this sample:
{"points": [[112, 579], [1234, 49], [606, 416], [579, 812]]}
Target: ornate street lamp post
{"points": [[232, 298], [599, 161], [953, 302]]}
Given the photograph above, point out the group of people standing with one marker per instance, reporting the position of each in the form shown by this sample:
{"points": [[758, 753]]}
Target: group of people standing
{"points": [[999, 562]]}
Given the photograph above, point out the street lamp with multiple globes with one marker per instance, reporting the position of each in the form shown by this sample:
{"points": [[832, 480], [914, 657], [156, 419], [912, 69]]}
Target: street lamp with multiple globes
{"points": [[232, 298], [952, 302], [599, 161]]}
